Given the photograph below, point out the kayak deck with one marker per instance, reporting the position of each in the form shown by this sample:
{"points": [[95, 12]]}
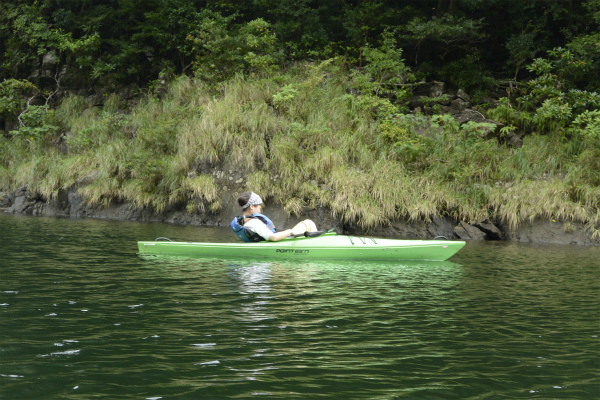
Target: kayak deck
{"points": [[327, 246]]}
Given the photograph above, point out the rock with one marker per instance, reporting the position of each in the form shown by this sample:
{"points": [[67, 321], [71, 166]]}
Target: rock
{"points": [[550, 231], [464, 116], [62, 200], [416, 102], [441, 226], [489, 101], [9, 125], [21, 205], [75, 79], [6, 200], [430, 89], [459, 104], [468, 232], [514, 140], [97, 99], [463, 96], [125, 93], [491, 231], [436, 89], [407, 229], [50, 59], [76, 204]]}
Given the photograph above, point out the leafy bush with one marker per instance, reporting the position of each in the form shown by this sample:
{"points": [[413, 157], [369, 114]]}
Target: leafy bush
{"points": [[214, 49], [260, 52], [552, 95], [36, 123], [521, 49], [384, 71], [467, 73], [406, 137], [13, 96], [220, 51], [511, 115], [284, 98], [556, 77], [588, 124], [382, 78], [443, 34]]}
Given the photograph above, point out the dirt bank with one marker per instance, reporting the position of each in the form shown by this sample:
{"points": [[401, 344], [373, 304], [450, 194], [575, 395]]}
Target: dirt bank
{"points": [[71, 204]]}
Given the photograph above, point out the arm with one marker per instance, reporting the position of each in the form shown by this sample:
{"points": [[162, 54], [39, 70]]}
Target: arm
{"points": [[260, 228], [305, 226]]}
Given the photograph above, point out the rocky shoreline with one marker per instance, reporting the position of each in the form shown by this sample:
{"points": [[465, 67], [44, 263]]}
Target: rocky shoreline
{"points": [[72, 204]]}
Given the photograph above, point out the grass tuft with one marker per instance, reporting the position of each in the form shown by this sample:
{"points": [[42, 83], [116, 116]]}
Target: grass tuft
{"points": [[305, 142]]}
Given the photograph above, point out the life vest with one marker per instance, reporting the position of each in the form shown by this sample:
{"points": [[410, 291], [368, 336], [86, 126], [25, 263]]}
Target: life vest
{"points": [[246, 234]]}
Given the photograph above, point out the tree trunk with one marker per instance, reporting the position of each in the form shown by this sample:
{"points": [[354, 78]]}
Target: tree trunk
{"points": [[453, 7], [447, 6]]}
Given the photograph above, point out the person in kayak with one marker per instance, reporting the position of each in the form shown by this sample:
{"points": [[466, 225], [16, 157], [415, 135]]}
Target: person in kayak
{"points": [[254, 226]]}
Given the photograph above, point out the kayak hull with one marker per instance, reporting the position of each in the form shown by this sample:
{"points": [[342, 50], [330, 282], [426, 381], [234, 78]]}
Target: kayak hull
{"points": [[328, 246]]}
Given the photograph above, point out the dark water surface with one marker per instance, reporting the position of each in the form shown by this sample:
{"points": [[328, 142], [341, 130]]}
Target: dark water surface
{"points": [[82, 316]]}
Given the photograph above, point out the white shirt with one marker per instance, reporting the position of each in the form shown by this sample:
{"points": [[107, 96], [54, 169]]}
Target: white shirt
{"points": [[258, 227]]}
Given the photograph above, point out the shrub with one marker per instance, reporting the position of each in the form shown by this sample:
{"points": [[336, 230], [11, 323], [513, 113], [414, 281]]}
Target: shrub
{"points": [[36, 123], [13, 96], [467, 73]]}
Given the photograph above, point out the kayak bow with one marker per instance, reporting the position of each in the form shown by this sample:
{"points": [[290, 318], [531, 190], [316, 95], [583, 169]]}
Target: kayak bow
{"points": [[326, 246]]}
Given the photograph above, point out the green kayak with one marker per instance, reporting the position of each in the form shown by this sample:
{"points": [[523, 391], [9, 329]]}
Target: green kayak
{"points": [[325, 246]]}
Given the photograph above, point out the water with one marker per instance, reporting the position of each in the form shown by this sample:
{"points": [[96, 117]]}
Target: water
{"points": [[82, 316]]}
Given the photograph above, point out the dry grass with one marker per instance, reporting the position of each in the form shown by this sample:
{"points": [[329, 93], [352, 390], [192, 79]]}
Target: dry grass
{"points": [[315, 147]]}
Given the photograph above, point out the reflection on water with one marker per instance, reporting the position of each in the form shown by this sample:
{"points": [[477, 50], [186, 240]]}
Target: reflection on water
{"points": [[83, 316]]}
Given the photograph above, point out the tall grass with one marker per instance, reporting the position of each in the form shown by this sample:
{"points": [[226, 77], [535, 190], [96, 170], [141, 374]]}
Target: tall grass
{"points": [[302, 140]]}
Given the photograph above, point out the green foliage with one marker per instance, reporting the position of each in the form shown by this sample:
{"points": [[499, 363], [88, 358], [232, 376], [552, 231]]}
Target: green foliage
{"points": [[582, 100], [327, 145], [381, 79], [71, 112], [260, 51], [406, 137], [32, 35], [95, 130], [283, 100], [552, 115], [384, 71], [521, 49], [509, 114], [460, 153], [588, 124], [13, 96], [133, 40], [474, 129], [586, 46], [36, 123], [562, 66], [553, 93], [220, 52], [357, 21], [468, 73], [213, 47], [554, 76], [168, 29], [303, 28], [447, 32]]}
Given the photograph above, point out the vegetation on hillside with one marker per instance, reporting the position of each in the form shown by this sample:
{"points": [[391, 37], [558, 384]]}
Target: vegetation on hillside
{"points": [[311, 104]]}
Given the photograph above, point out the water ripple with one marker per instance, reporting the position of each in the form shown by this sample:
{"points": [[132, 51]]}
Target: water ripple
{"points": [[500, 321]]}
